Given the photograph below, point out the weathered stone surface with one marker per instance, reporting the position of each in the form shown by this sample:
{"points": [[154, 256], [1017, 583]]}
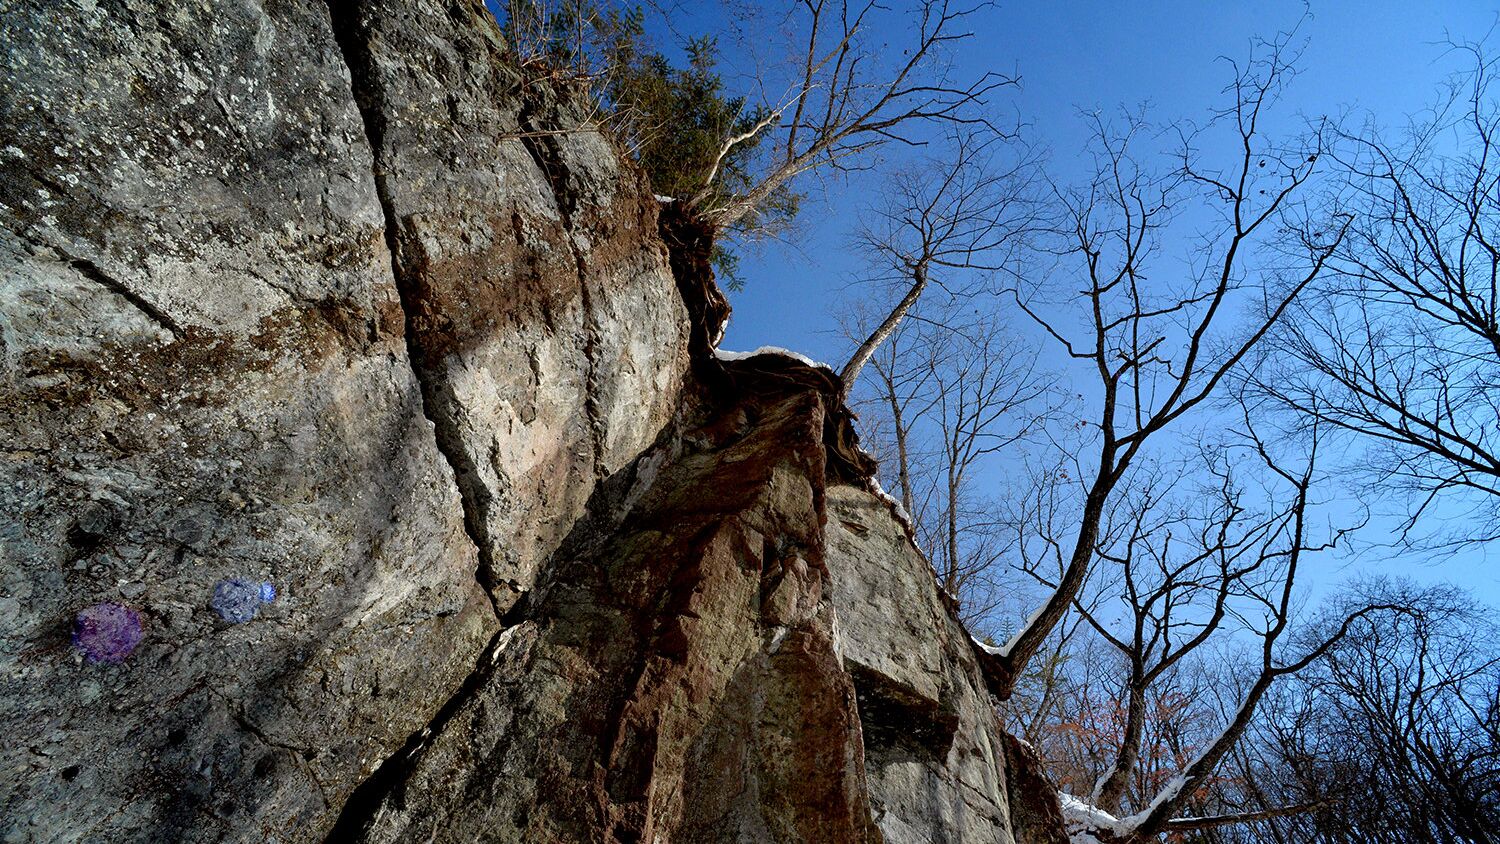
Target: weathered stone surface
{"points": [[205, 377], [545, 320], [674, 677], [934, 750]]}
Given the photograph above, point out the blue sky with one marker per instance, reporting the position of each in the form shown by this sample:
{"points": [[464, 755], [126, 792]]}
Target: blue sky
{"points": [[1379, 56], [1381, 59]]}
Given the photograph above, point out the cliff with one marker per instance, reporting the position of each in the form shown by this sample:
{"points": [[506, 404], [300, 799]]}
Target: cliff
{"points": [[368, 473]]}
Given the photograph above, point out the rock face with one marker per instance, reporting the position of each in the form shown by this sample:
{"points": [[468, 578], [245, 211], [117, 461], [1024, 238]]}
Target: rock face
{"points": [[542, 315], [206, 377], [932, 749], [674, 675], [356, 406]]}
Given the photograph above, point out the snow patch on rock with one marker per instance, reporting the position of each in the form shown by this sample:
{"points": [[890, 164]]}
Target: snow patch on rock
{"points": [[724, 354], [899, 511]]}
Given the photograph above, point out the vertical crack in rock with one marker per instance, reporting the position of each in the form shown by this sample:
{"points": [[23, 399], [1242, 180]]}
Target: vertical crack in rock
{"points": [[545, 150], [359, 810], [368, 96]]}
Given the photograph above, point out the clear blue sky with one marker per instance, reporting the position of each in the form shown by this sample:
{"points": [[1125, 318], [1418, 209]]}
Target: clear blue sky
{"points": [[1380, 56], [1383, 58]]}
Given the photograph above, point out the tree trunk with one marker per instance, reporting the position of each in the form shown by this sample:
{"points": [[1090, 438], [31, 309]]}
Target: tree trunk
{"points": [[903, 467], [1202, 768], [1111, 789], [1034, 634], [862, 354], [950, 577]]}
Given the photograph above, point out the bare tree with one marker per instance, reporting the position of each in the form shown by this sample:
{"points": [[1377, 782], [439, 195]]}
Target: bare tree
{"points": [[1173, 564], [897, 401], [1264, 571], [954, 212], [1397, 731], [954, 393], [843, 100], [1401, 345], [988, 395], [1159, 350], [1176, 566]]}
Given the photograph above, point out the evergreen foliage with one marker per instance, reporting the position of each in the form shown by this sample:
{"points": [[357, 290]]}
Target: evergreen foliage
{"points": [[671, 119]]}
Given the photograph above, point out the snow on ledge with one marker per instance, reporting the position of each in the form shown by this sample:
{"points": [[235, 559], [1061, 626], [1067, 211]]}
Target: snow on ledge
{"points": [[1004, 650], [724, 354], [900, 512], [989, 649], [1169, 792]]}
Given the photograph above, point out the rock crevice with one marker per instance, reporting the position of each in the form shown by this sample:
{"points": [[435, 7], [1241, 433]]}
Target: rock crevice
{"points": [[364, 87], [90, 270], [541, 142]]}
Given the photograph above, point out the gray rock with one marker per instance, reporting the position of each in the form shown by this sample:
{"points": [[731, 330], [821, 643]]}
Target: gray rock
{"points": [[544, 319], [934, 749], [674, 677], [198, 308]]}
